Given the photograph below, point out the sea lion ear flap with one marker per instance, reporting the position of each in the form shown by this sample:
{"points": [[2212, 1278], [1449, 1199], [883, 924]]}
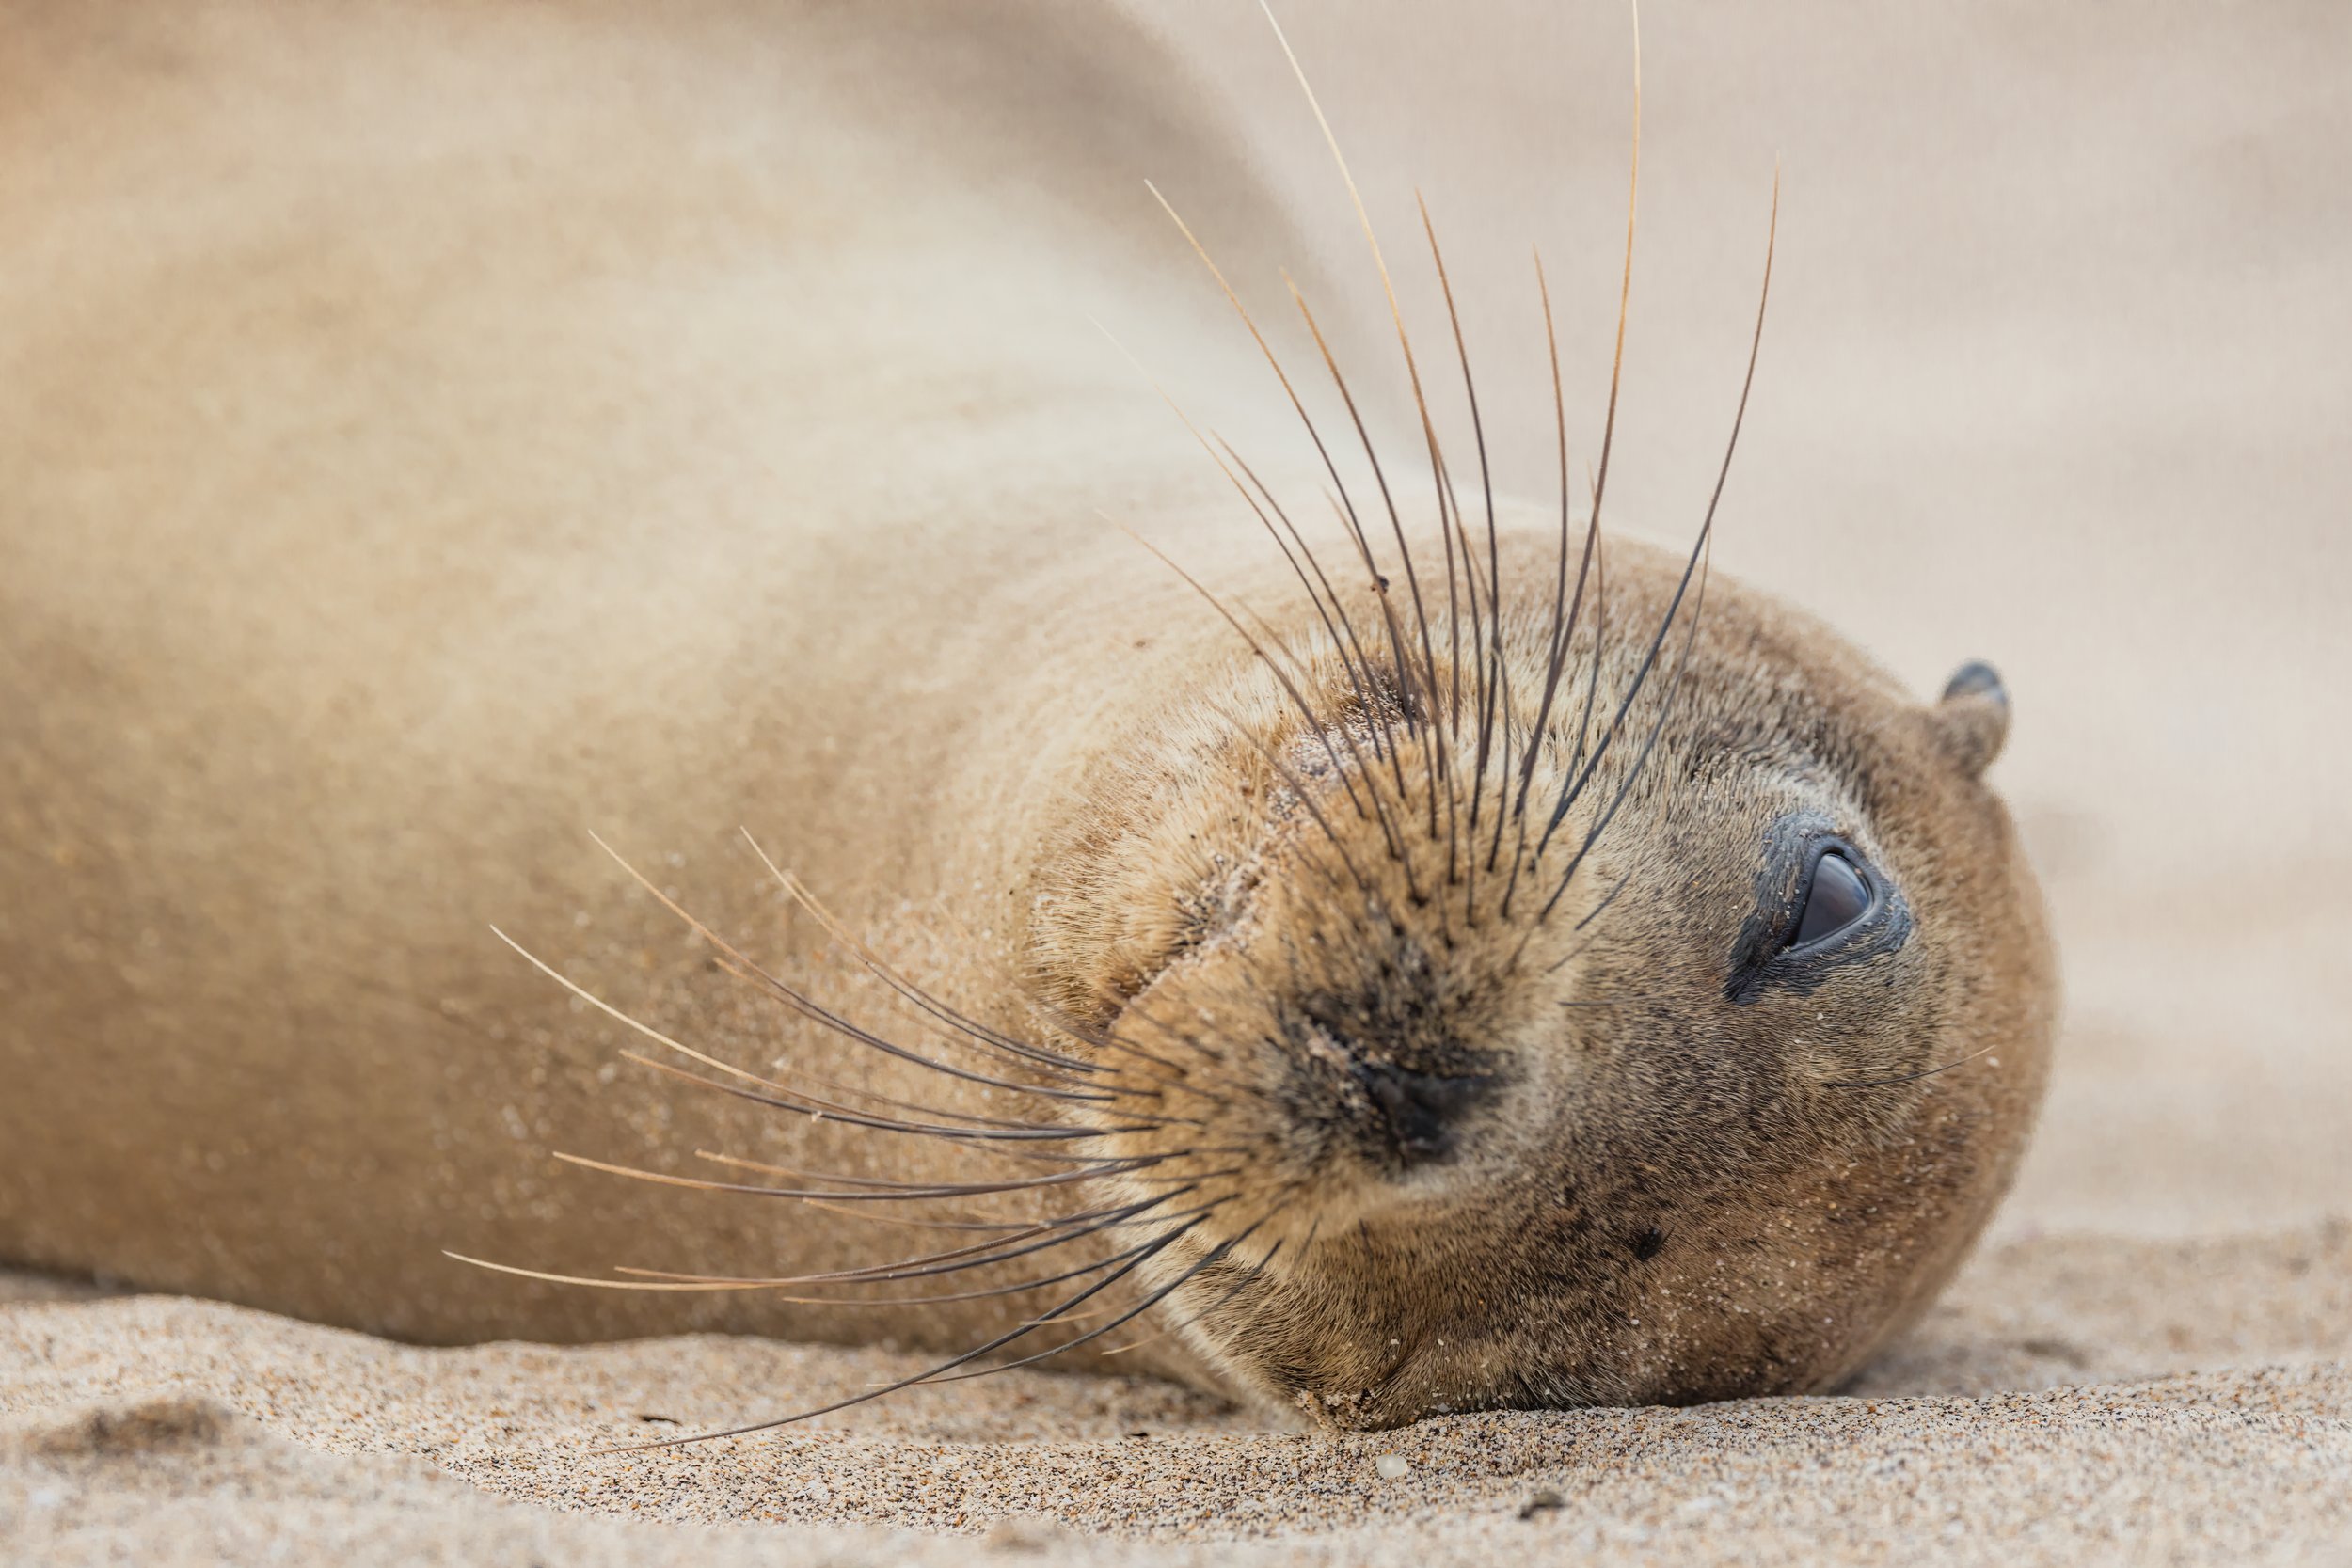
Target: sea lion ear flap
{"points": [[1972, 718]]}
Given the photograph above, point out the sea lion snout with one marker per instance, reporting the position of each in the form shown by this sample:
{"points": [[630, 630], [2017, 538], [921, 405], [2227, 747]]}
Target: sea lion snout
{"points": [[1419, 1114]]}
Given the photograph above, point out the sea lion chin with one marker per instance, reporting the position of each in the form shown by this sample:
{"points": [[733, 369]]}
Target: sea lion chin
{"points": [[1679, 1056]]}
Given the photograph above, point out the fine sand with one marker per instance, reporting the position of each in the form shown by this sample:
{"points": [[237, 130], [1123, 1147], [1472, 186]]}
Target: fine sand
{"points": [[2057, 378], [2074, 1400]]}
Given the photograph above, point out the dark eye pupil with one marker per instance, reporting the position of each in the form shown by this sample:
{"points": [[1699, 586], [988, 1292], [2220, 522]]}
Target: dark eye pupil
{"points": [[1836, 899]]}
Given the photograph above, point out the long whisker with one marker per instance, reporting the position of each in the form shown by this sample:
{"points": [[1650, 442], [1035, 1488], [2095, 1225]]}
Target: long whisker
{"points": [[1699, 553], [1641, 762], [1600, 642], [1489, 658], [1425, 677], [1315, 597], [1564, 615], [809, 1008], [1300, 663], [1624, 287], [1348, 519], [891, 1192], [1069, 1225], [911, 1221], [960, 1259], [915, 994], [1250, 1276], [1307, 799], [1357, 661], [1191, 1078], [1145, 1306], [1315, 723], [1148, 1251], [944, 1133], [1396, 314], [802, 1102], [1616, 363]]}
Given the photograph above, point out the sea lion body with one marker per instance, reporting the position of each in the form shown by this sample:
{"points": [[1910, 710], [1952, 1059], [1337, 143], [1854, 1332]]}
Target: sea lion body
{"points": [[425, 465], [364, 552]]}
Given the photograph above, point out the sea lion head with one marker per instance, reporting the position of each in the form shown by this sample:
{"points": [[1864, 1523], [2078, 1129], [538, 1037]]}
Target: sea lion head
{"points": [[1634, 997]]}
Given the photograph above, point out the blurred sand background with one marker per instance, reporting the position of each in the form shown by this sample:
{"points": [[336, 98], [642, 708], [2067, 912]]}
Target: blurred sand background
{"points": [[2056, 375]]}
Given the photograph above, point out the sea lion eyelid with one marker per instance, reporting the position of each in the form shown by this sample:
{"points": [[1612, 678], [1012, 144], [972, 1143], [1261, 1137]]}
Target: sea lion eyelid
{"points": [[1840, 894]]}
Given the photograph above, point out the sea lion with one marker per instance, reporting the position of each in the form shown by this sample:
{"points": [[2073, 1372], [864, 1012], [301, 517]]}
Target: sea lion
{"points": [[1396, 961]]}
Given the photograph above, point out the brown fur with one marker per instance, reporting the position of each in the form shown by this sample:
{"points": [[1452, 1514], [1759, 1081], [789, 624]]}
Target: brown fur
{"points": [[412, 463], [1666, 1196]]}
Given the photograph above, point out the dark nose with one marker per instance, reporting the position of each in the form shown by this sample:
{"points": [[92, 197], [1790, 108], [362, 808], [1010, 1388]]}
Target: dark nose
{"points": [[1417, 1110]]}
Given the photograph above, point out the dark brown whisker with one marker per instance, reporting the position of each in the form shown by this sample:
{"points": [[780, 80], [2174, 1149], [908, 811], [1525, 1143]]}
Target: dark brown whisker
{"points": [[1348, 519], [1272, 640], [872, 962], [1616, 363], [1564, 614], [960, 1259], [1462, 824], [1307, 799], [1402, 702], [870, 1216], [1250, 1276], [1133, 1006], [1180, 1079], [1426, 678], [1412, 369], [1593, 914], [826, 1111], [889, 1193], [802, 1102], [980, 1255], [1140, 1308], [1315, 597], [1353, 656], [1698, 555], [1600, 637], [831, 1110], [1557, 639], [1624, 287], [1397, 850], [1489, 657], [1126, 1163], [1641, 762], [1148, 1251], [1355, 679], [809, 1008], [985, 1293], [833, 1085], [1091, 1220]]}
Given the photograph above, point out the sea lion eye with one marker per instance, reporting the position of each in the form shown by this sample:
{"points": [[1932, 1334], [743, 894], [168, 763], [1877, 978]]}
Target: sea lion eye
{"points": [[1820, 906], [1835, 896]]}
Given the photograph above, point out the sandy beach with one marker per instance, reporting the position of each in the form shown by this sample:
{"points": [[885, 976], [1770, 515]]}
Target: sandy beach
{"points": [[2057, 378], [2074, 1400]]}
